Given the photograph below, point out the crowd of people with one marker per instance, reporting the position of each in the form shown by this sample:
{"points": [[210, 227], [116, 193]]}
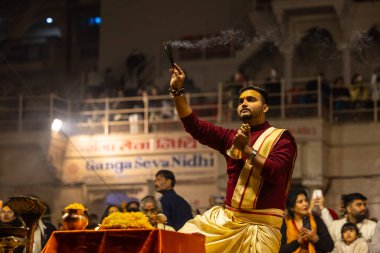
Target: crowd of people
{"points": [[170, 213], [349, 101], [360, 93], [130, 84], [261, 212], [308, 225]]}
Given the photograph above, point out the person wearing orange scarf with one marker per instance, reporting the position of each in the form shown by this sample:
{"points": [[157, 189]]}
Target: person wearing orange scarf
{"points": [[301, 231]]}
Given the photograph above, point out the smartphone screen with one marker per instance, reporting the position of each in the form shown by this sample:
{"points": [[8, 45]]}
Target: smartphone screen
{"points": [[317, 194], [306, 222]]}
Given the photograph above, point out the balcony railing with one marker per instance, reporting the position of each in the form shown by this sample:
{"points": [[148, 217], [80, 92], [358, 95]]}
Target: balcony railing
{"points": [[32, 113], [148, 114]]}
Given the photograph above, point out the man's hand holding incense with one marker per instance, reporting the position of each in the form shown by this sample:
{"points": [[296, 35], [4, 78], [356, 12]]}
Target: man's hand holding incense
{"points": [[177, 91], [178, 77]]}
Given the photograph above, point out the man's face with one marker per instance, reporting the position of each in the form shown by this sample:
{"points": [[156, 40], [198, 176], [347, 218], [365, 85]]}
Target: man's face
{"points": [[250, 107], [150, 210], [161, 183], [349, 236], [7, 215], [357, 209]]}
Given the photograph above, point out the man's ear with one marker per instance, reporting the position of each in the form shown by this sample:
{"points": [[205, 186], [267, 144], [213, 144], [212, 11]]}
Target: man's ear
{"points": [[168, 183], [266, 108]]}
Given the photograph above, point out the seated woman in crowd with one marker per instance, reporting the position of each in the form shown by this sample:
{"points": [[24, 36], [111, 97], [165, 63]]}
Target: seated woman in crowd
{"points": [[341, 95], [110, 209], [302, 231], [133, 206], [8, 218], [359, 92]]}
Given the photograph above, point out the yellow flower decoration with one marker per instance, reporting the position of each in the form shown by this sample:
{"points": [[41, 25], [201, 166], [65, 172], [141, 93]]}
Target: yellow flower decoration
{"points": [[75, 205], [126, 220]]}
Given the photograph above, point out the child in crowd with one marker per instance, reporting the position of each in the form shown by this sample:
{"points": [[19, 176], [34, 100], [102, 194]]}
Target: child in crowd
{"points": [[351, 241]]}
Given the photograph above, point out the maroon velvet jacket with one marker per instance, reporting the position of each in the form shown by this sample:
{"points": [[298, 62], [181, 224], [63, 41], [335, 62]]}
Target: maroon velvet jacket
{"points": [[278, 167]]}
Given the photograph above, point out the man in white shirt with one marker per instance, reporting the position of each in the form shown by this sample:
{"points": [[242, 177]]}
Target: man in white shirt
{"points": [[375, 245], [356, 209]]}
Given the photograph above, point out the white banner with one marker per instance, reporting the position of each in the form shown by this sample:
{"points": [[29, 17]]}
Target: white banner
{"points": [[122, 169], [131, 144]]}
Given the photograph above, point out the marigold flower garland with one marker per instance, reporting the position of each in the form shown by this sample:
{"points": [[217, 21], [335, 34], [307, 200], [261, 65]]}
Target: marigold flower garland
{"points": [[75, 205], [126, 220]]}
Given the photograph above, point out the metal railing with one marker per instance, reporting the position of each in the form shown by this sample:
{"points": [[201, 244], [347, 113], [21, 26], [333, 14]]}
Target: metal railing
{"points": [[32, 113], [141, 114], [146, 114]]}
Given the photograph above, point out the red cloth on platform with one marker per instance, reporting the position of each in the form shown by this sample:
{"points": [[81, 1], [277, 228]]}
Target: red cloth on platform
{"points": [[124, 240]]}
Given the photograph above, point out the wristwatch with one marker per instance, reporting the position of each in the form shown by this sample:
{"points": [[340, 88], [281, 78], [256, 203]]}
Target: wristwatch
{"points": [[253, 154]]}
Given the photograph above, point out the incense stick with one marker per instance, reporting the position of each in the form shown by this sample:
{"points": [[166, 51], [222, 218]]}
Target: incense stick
{"points": [[168, 49]]}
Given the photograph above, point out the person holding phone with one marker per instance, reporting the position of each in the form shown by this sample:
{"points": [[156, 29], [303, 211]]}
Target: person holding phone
{"points": [[301, 230], [317, 207]]}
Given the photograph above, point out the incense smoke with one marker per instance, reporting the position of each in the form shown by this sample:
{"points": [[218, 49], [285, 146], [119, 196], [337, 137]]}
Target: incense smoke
{"points": [[317, 39], [224, 38]]}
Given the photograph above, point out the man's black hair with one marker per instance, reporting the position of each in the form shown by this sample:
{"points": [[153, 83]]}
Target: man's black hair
{"points": [[348, 198], [292, 198], [167, 174], [263, 93], [350, 226]]}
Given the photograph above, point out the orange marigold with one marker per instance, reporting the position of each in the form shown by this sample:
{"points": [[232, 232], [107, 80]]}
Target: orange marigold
{"points": [[75, 205], [126, 220]]}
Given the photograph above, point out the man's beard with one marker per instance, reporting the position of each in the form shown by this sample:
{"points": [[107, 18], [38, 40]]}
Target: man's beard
{"points": [[360, 217], [245, 118]]}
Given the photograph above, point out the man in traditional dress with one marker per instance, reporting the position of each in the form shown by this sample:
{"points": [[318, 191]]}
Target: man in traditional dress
{"points": [[260, 163]]}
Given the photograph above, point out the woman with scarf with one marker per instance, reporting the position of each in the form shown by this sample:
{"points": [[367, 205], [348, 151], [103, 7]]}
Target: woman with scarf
{"points": [[302, 232]]}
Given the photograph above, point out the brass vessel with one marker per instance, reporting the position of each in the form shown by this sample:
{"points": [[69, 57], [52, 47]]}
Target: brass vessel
{"points": [[11, 238], [74, 219]]}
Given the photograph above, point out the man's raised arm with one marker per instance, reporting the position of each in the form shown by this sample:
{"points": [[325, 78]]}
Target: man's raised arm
{"points": [[177, 91]]}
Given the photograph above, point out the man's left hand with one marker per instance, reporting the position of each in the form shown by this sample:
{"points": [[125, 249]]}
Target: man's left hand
{"points": [[242, 137]]}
